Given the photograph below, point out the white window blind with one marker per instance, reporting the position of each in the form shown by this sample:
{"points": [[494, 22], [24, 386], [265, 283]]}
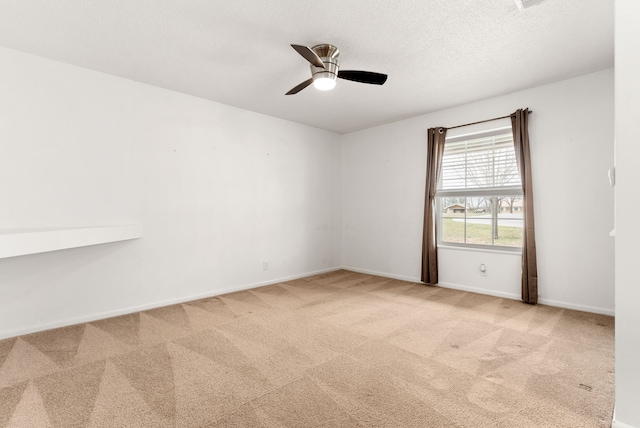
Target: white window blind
{"points": [[479, 166], [479, 195]]}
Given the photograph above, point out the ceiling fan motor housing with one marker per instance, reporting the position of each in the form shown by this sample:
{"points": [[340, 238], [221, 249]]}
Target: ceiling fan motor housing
{"points": [[329, 56], [325, 69]]}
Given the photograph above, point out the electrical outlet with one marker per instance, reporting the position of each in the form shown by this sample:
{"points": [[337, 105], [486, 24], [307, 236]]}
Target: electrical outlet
{"points": [[483, 269], [265, 265]]}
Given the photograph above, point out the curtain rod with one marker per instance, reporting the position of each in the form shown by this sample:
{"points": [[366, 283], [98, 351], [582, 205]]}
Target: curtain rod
{"points": [[483, 121]]}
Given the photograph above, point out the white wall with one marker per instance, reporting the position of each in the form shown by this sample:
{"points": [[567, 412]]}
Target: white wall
{"points": [[627, 70], [217, 189], [571, 133]]}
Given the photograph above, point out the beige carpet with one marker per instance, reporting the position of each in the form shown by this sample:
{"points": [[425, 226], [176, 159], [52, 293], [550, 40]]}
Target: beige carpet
{"points": [[335, 350]]}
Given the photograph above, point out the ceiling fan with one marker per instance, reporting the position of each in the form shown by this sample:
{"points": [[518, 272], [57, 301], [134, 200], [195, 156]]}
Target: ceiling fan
{"points": [[325, 69]]}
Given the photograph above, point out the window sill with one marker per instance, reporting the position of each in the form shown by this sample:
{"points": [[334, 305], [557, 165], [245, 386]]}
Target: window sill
{"points": [[517, 252]]}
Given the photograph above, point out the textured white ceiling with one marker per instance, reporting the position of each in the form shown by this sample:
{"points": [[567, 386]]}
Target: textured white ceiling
{"points": [[437, 53]]}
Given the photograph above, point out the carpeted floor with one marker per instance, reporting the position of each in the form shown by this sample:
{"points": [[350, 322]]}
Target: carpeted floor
{"points": [[341, 349]]}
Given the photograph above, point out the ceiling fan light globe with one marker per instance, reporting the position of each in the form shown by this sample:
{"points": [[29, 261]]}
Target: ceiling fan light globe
{"points": [[324, 83]]}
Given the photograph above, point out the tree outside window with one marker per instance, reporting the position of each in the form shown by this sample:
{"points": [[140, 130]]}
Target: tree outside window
{"points": [[479, 194]]}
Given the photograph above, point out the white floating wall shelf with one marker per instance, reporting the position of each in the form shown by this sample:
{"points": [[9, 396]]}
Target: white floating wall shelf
{"points": [[20, 242]]}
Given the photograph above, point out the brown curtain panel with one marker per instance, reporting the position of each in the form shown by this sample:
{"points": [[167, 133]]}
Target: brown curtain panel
{"points": [[520, 127], [435, 148]]}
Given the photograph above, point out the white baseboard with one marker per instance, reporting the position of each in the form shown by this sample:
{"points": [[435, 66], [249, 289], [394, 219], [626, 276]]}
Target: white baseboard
{"points": [[440, 284], [384, 274], [480, 290], [616, 424], [489, 292], [548, 302], [132, 309], [577, 307], [147, 306]]}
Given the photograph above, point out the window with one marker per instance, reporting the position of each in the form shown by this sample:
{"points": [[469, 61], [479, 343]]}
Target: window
{"points": [[479, 196]]}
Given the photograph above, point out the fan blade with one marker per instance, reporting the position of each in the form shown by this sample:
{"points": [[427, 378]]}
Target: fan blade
{"points": [[363, 76], [309, 55], [300, 87]]}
